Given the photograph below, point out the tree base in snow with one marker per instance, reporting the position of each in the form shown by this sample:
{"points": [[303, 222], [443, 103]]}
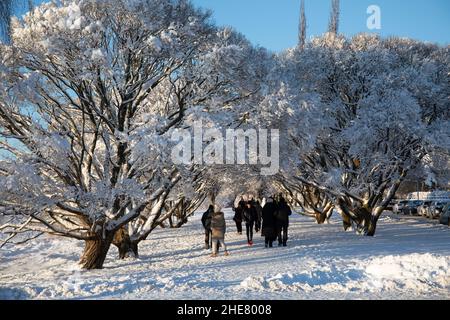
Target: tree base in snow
{"points": [[94, 253]]}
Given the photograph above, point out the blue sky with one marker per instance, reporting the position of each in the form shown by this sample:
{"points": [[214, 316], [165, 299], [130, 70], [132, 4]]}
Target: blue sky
{"points": [[274, 23]]}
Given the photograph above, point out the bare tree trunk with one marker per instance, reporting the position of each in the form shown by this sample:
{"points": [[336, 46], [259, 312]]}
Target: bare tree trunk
{"points": [[134, 248], [181, 222], [367, 223], [347, 222], [346, 219], [325, 214], [370, 216], [330, 213], [372, 227], [126, 247], [95, 252], [320, 218]]}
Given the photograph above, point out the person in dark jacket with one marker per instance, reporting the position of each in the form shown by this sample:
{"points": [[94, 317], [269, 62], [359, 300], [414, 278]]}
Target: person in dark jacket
{"points": [[258, 210], [238, 216], [268, 222], [249, 215], [282, 221], [206, 222]]}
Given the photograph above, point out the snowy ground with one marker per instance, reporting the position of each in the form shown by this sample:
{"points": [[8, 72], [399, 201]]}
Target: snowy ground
{"points": [[409, 258]]}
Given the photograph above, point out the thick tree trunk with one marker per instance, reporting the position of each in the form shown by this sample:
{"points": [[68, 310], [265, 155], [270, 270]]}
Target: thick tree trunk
{"points": [[134, 248], [343, 210], [371, 228], [325, 215], [95, 252], [320, 218], [346, 222], [182, 222], [330, 213], [367, 223], [126, 247]]}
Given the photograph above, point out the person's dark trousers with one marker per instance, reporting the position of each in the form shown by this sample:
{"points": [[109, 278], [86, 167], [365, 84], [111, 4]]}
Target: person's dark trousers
{"points": [[257, 226], [269, 241], [249, 226], [282, 235], [208, 239], [239, 226]]}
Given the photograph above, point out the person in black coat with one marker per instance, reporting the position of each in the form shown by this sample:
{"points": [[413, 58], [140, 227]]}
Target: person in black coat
{"points": [[258, 209], [206, 222], [282, 221], [250, 216], [268, 230], [238, 216]]}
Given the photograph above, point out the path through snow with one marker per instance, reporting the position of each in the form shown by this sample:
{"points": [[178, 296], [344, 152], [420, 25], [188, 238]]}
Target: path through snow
{"points": [[408, 258]]}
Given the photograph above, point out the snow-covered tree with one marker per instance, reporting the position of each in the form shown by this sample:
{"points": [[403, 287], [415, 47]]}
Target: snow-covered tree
{"points": [[217, 88], [106, 84], [91, 92], [92, 155], [333, 24], [377, 96], [302, 26]]}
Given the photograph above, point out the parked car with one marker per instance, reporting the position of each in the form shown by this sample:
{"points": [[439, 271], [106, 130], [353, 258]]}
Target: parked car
{"points": [[445, 215], [423, 209], [398, 207], [410, 208], [436, 210], [391, 205]]}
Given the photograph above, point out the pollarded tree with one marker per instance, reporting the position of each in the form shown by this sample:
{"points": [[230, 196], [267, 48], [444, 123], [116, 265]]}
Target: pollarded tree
{"points": [[84, 70], [379, 99]]}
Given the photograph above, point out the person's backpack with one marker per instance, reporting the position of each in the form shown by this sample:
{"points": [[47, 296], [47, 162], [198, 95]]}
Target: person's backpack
{"points": [[281, 214], [238, 214], [206, 220], [285, 208], [254, 214], [277, 214], [288, 209], [248, 214]]}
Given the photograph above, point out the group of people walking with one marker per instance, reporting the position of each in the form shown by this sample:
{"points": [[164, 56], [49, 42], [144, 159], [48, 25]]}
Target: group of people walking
{"points": [[249, 212], [272, 220], [275, 224]]}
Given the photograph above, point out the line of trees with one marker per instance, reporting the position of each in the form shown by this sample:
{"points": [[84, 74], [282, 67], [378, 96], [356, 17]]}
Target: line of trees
{"points": [[383, 108], [91, 92]]}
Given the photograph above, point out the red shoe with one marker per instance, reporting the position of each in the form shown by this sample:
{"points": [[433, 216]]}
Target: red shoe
{"points": [[250, 243]]}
